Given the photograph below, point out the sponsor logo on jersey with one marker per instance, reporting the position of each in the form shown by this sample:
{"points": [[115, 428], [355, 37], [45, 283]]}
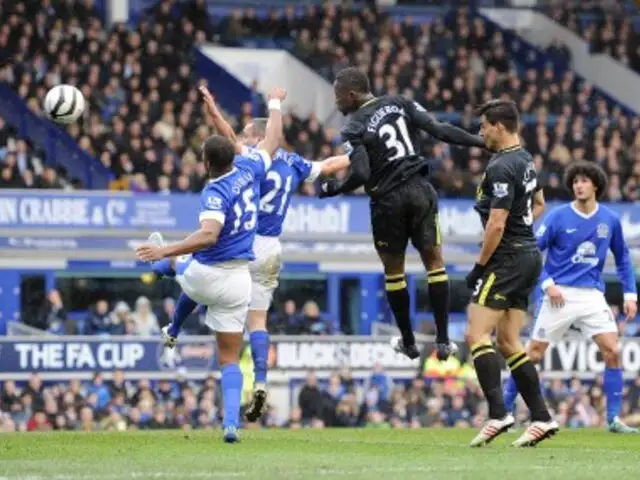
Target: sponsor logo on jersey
{"points": [[586, 253]]}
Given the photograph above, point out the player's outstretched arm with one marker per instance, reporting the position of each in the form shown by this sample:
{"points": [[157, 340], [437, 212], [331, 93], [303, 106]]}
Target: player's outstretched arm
{"points": [[203, 238], [310, 171], [358, 175], [219, 122], [331, 165], [273, 133], [441, 130]]}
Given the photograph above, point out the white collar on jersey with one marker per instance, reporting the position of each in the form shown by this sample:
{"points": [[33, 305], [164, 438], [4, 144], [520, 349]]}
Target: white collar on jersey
{"points": [[213, 180], [585, 215]]}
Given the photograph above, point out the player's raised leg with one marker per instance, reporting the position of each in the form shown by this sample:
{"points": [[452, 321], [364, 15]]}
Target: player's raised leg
{"points": [[525, 377], [166, 266], [613, 380], [184, 306], [481, 323]]}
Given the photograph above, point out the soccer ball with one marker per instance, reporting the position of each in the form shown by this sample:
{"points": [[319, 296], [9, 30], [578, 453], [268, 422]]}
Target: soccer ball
{"points": [[64, 104]]}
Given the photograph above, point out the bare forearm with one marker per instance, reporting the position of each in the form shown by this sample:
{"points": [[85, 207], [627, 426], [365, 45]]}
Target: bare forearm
{"points": [[224, 128], [273, 132], [492, 236], [538, 210], [193, 243]]}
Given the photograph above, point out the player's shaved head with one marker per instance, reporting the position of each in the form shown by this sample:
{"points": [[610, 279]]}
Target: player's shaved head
{"points": [[218, 153], [255, 131], [352, 89], [504, 112], [589, 170], [259, 125]]}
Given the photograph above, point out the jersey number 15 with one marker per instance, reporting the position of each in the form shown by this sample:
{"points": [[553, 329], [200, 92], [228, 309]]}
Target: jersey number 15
{"points": [[389, 133], [245, 209]]}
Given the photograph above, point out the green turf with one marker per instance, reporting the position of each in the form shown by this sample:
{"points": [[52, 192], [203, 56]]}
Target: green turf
{"points": [[310, 454]]}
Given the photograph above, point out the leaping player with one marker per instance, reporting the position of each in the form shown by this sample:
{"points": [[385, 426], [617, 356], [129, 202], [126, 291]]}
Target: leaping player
{"points": [[287, 172], [578, 236], [212, 264]]}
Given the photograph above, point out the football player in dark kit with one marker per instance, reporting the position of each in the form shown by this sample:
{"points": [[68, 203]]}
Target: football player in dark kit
{"points": [[508, 201], [382, 140]]}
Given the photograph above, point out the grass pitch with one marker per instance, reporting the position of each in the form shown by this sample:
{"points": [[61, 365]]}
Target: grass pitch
{"points": [[369, 454]]}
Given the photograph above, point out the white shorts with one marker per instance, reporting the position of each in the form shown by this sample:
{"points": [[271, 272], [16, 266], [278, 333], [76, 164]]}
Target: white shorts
{"points": [[585, 309], [224, 288], [265, 270]]}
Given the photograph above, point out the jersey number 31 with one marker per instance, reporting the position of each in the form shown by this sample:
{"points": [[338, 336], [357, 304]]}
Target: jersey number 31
{"points": [[402, 146]]}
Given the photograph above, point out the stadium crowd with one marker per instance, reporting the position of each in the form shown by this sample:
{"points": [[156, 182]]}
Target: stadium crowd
{"points": [[145, 119], [609, 27], [21, 166], [375, 402], [118, 318]]}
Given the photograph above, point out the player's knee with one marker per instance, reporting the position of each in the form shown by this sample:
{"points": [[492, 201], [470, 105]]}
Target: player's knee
{"points": [[610, 354], [508, 346], [229, 346], [432, 258], [473, 336], [257, 320]]}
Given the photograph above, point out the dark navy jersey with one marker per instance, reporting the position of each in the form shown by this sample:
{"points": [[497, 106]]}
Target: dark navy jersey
{"points": [[510, 183]]}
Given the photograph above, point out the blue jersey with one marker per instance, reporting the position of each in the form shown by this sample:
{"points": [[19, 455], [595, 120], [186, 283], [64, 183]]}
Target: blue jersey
{"points": [[232, 199], [288, 171], [578, 245]]}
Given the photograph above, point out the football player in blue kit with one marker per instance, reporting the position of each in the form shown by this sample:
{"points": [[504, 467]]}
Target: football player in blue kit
{"points": [[212, 264], [288, 172], [578, 237]]}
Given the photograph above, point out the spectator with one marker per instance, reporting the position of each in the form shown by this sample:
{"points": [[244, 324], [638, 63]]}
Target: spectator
{"points": [[99, 320], [119, 318], [98, 388], [310, 399], [146, 322]]}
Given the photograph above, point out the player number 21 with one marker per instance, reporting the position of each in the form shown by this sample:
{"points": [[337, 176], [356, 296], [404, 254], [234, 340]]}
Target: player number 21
{"points": [[402, 146]]}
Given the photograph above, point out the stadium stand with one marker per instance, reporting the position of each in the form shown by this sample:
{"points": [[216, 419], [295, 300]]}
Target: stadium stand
{"points": [[450, 61], [126, 75], [610, 28]]}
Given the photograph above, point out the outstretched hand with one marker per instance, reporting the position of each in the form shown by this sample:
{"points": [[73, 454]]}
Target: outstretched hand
{"points": [[328, 188], [149, 252], [209, 102]]}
